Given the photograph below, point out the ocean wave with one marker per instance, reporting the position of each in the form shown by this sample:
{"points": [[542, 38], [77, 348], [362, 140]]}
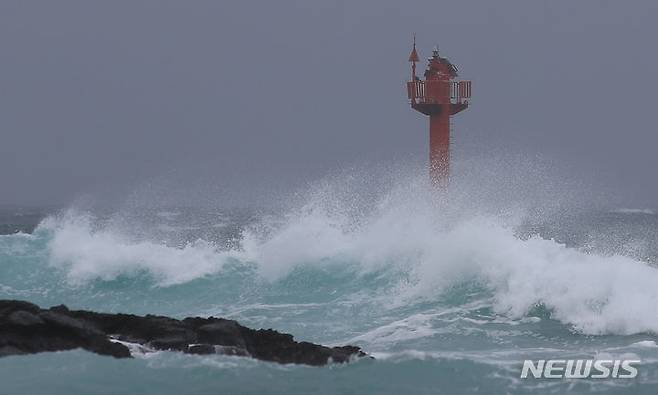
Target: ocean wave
{"points": [[594, 293], [424, 245], [88, 252]]}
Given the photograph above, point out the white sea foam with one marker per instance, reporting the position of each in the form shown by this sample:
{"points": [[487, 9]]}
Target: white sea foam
{"points": [[595, 293], [87, 252], [436, 244], [645, 344]]}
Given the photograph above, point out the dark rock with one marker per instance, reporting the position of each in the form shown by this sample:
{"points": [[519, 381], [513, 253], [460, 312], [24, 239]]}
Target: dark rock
{"points": [[174, 342], [8, 306], [111, 348], [222, 332], [66, 322], [10, 350], [201, 349], [24, 318], [25, 328], [60, 309]]}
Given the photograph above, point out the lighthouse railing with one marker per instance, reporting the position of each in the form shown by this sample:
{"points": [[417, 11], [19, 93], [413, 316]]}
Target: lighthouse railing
{"points": [[436, 92]]}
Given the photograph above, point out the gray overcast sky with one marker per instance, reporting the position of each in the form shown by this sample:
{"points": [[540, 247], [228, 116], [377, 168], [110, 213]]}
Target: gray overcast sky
{"points": [[112, 94]]}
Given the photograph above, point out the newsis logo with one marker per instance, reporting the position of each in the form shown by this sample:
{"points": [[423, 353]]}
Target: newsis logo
{"points": [[580, 368]]}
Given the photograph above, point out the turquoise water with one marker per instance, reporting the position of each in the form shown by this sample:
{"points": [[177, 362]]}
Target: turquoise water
{"points": [[447, 299]]}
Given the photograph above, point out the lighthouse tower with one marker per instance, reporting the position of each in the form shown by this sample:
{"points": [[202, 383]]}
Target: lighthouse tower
{"points": [[439, 96]]}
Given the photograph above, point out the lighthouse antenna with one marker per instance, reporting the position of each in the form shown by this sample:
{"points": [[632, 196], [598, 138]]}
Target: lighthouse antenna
{"points": [[413, 58]]}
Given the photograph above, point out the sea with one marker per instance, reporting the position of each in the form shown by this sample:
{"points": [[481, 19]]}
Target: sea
{"points": [[449, 290]]}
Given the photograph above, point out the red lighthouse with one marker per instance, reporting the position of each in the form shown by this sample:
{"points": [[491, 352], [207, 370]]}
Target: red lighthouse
{"points": [[440, 97]]}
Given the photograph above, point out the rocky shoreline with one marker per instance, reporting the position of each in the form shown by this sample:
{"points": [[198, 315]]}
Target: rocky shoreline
{"points": [[25, 328]]}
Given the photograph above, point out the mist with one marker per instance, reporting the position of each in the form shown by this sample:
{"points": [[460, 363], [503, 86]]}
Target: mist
{"points": [[223, 101]]}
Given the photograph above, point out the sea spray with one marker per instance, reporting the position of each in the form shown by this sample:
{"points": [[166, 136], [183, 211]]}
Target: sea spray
{"points": [[428, 244], [477, 279]]}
